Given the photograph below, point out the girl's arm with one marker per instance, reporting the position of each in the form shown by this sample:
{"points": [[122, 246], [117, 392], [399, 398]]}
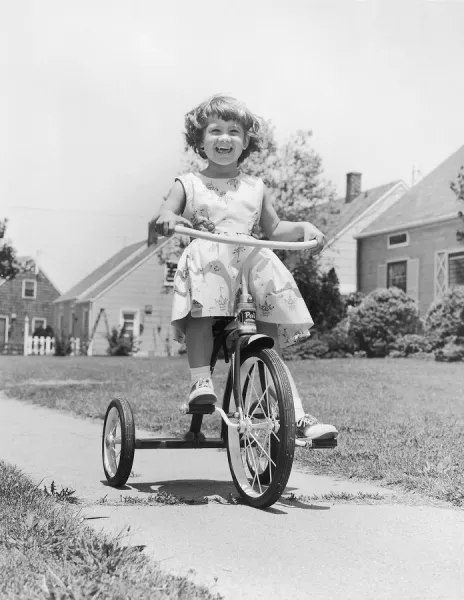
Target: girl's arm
{"points": [[169, 214], [287, 231]]}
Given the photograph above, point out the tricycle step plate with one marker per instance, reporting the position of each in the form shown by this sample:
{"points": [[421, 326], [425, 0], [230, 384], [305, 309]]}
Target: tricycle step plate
{"points": [[160, 443]]}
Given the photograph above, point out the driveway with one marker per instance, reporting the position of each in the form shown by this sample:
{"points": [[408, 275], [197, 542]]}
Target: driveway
{"points": [[382, 550]]}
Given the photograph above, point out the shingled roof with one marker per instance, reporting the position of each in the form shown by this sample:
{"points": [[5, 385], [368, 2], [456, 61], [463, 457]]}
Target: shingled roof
{"points": [[108, 281], [334, 216], [114, 264], [428, 201]]}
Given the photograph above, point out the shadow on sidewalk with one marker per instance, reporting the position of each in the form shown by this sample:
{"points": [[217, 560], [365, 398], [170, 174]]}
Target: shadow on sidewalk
{"points": [[206, 491]]}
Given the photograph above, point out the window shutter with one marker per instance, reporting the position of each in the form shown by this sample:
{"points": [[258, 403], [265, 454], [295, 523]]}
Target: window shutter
{"points": [[412, 285], [382, 276]]}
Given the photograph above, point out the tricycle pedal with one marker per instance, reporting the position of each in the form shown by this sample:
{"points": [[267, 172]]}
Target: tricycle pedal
{"points": [[316, 444], [329, 443]]}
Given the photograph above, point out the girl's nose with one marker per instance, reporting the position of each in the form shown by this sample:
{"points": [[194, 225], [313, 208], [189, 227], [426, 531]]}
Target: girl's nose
{"points": [[224, 137]]}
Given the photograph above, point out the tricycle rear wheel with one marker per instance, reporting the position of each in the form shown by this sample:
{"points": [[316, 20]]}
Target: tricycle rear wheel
{"points": [[118, 442]]}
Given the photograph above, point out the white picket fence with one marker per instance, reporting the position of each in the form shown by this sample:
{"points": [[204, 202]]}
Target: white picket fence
{"points": [[39, 345], [45, 346]]}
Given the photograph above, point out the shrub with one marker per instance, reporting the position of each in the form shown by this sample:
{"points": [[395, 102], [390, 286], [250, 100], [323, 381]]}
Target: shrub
{"points": [[121, 343], [352, 300], [63, 345], [336, 343], [43, 332], [320, 292], [445, 318], [341, 339], [410, 344], [453, 351], [382, 316]]}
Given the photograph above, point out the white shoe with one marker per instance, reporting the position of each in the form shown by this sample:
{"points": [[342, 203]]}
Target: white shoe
{"points": [[309, 427], [202, 392]]}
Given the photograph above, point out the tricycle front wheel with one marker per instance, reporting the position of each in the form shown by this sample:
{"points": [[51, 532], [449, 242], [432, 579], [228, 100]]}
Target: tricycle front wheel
{"points": [[261, 456]]}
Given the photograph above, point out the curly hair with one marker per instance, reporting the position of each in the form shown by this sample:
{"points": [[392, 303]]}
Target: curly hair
{"points": [[228, 109]]}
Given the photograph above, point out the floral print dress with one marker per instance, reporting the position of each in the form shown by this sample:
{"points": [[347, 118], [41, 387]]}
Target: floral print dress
{"points": [[208, 277]]}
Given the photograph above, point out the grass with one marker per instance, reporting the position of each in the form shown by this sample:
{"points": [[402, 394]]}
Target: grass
{"points": [[401, 421], [46, 551]]}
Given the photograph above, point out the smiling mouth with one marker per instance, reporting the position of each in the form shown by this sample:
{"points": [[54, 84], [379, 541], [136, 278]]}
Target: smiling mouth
{"points": [[224, 150]]}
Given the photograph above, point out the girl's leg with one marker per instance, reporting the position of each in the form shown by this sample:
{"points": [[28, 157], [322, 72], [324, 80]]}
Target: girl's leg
{"points": [[270, 330], [199, 342], [307, 425]]}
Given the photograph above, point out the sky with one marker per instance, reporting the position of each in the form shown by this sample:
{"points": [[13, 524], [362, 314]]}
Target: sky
{"points": [[93, 95]]}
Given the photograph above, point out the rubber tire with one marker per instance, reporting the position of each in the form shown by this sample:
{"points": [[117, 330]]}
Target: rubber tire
{"points": [[126, 458], [286, 450]]}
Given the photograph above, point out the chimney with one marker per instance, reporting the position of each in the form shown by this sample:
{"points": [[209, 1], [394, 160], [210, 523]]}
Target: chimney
{"points": [[152, 235], [353, 186]]}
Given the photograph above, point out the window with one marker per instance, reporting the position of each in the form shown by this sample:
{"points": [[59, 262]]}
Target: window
{"points": [[29, 288], [3, 329], [397, 274], [38, 323], [169, 272], [456, 269], [129, 318], [397, 240]]}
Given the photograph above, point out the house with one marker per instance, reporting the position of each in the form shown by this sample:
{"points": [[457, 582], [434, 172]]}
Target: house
{"points": [[413, 245], [132, 289], [30, 294], [341, 220]]}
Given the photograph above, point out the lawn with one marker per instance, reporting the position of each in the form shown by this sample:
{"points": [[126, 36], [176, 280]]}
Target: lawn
{"points": [[401, 421]]}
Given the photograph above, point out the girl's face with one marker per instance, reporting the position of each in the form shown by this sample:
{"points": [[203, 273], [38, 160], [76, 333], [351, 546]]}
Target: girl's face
{"points": [[224, 141]]}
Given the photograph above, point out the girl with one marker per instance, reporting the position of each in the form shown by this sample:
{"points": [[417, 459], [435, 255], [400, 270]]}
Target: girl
{"points": [[224, 199]]}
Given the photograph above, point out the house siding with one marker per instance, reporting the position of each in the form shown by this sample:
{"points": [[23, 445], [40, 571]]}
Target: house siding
{"points": [[342, 252], [139, 288], [11, 301], [424, 242]]}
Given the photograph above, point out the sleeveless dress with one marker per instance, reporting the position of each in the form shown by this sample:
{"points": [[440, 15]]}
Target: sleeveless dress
{"points": [[208, 277]]}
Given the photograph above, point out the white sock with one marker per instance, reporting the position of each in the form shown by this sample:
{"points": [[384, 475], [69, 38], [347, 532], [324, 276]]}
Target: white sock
{"points": [[200, 373]]}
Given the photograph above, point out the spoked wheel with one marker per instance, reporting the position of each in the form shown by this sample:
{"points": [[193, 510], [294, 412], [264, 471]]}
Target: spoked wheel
{"points": [[118, 443], [261, 455]]}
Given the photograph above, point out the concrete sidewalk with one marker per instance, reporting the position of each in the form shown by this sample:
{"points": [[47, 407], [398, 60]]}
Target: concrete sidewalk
{"points": [[290, 550]]}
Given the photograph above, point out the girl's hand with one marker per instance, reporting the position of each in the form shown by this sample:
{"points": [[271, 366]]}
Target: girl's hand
{"points": [[167, 220], [313, 233], [204, 224]]}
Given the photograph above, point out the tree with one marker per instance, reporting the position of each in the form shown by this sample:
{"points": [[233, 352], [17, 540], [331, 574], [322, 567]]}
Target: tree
{"points": [[9, 266], [458, 189]]}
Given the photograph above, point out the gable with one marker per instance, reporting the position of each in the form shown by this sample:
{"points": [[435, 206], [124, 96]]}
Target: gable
{"points": [[119, 273], [336, 215], [41, 278], [430, 200], [102, 272]]}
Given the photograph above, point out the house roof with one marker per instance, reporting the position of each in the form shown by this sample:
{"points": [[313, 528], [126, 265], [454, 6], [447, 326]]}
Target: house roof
{"points": [[334, 216], [114, 264], [117, 274], [430, 200]]}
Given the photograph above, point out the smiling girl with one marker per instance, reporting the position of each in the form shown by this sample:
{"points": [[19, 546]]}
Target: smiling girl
{"points": [[224, 199]]}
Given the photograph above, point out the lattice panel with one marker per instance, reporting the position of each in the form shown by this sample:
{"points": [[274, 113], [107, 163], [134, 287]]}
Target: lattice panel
{"points": [[441, 273]]}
